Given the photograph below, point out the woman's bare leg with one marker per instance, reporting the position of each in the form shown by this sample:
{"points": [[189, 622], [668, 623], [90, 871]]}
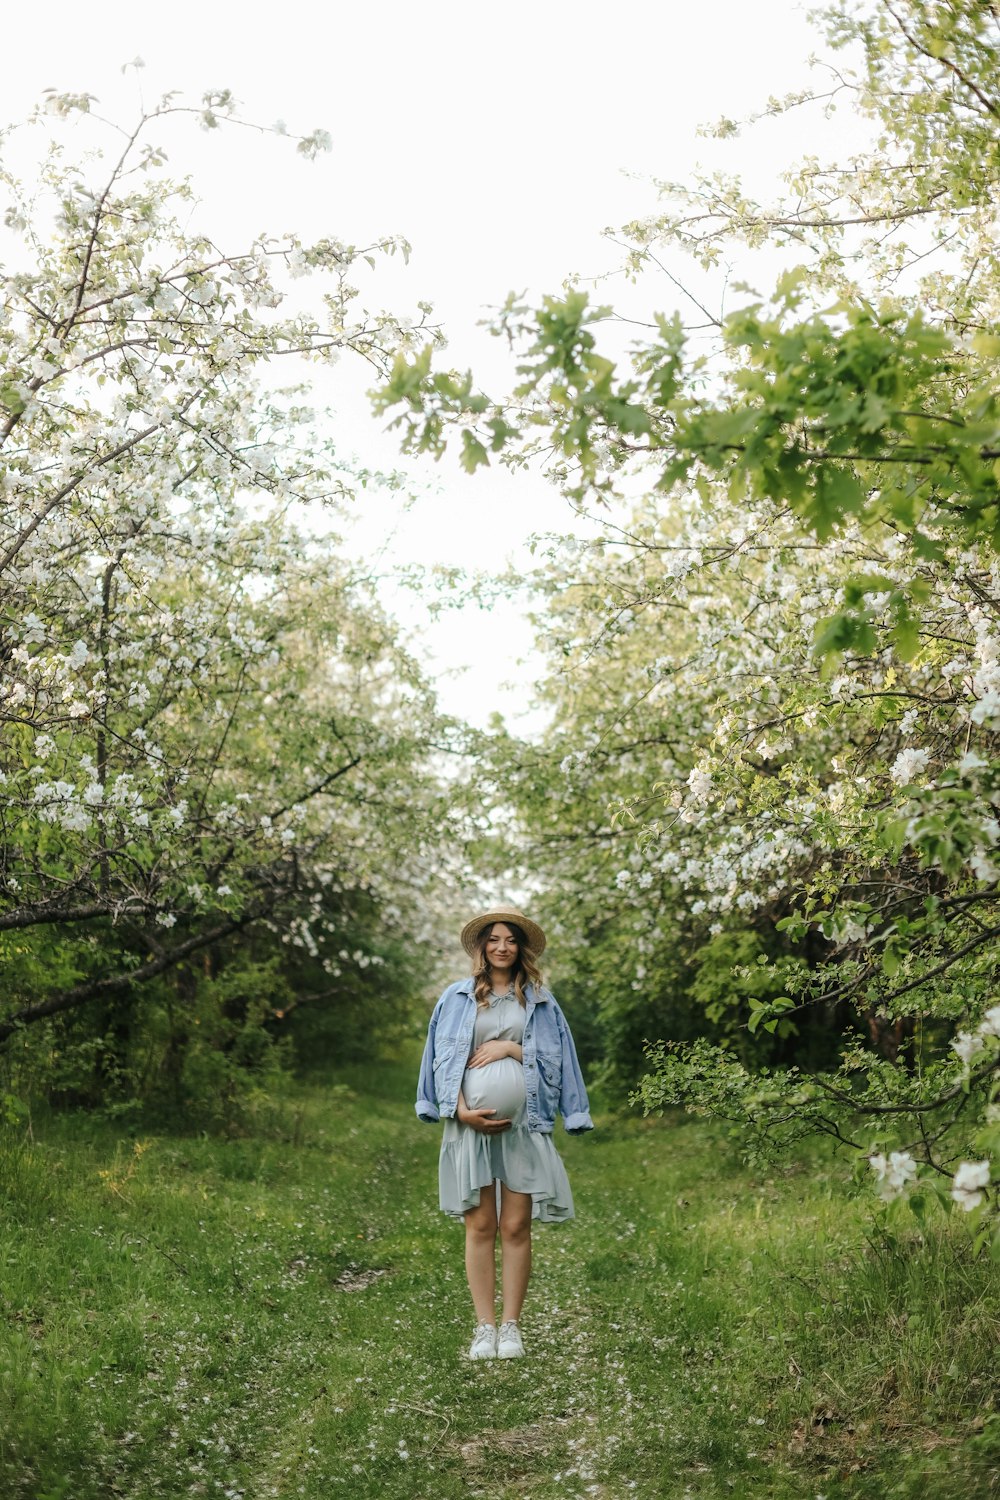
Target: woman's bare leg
{"points": [[515, 1238], [481, 1254]]}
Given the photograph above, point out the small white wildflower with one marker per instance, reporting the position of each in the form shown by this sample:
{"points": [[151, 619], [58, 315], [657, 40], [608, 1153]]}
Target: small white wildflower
{"points": [[971, 762]]}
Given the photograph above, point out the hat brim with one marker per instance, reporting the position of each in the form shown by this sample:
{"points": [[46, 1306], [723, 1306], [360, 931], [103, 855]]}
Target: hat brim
{"points": [[531, 930]]}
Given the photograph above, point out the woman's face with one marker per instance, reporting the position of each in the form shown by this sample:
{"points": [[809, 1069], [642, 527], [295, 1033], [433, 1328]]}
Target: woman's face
{"points": [[501, 946]]}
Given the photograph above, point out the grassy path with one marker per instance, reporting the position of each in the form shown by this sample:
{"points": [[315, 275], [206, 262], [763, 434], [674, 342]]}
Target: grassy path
{"points": [[285, 1315]]}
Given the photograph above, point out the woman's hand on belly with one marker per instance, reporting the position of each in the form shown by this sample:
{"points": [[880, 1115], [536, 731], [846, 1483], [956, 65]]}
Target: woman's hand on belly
{"points": [[481, 1119], [491, 1052]]}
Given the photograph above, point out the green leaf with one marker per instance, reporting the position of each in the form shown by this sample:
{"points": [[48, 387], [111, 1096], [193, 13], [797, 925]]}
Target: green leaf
{"points": [[13, 401], [906, 636], [788, 284], [890, 961], [631, 419], [473, 452], [838, 494], [846, 631]]}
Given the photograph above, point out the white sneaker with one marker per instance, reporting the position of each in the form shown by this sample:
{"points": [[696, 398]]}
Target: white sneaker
{"points": [[484, 1342], [509, 1343]]}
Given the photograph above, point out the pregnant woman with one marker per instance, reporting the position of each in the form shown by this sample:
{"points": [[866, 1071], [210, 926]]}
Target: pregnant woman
{"points": [[498, 1064]]}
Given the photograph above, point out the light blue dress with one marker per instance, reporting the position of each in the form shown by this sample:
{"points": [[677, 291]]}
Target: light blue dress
{"points": [[526, 1160]]}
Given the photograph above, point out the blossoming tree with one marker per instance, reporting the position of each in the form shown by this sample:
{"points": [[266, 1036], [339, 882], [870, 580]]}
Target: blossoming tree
{"points": [[796, 633], [204, 713]]}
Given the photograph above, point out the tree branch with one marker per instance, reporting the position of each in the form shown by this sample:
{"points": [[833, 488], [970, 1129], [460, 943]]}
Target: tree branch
{"points": [[974, 89], [924, 1107], [115, 984]]}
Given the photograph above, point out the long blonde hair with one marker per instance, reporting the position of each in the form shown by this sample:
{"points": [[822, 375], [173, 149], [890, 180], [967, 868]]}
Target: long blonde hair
{"points": [[526, 970]]}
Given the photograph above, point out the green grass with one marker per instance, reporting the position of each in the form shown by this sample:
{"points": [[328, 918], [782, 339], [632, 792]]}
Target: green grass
{"points": [[286, 1315]]}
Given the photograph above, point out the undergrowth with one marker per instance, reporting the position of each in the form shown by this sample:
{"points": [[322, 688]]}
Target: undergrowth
{"points": [[286, 1315]]}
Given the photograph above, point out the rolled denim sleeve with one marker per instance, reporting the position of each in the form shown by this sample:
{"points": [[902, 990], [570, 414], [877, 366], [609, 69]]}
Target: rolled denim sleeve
{"points": [[573, 1103], [426, 1105]]}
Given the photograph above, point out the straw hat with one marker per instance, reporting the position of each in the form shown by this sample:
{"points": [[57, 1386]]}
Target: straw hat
{"points": [[531, 930]]}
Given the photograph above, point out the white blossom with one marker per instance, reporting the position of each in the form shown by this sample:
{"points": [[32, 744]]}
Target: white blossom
{"points": [[74, 817], [987, 710], [892, 1174], [700, 785], [982, 867], [908, 765], [967, 1045], [968, 1183]]}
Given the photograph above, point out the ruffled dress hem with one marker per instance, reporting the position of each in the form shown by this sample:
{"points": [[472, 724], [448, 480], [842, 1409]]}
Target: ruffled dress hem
{"points": [[526, 1160]]}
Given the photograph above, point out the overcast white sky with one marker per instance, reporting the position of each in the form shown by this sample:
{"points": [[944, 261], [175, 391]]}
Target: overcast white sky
{"points": [[496, 138]]}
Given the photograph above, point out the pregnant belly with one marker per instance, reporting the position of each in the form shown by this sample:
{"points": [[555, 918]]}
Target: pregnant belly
{"points": [[498, 1085]]}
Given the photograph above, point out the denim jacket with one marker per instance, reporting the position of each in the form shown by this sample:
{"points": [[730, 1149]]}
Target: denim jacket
{"points": [[552, 1078]]}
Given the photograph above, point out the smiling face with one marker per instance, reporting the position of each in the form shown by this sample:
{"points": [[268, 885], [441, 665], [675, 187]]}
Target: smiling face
{"points": [[501, 947]]}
